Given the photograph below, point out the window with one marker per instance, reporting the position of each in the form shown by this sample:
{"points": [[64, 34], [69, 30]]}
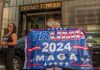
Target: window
{"points": [[12, 2], [44, 0], [5, 19], [27, 2], [16, 15], [87, 12], [0, 14], [19, 2], [93, 39], [6, 3], [35, 1], [48, 0], [5, 16], [12, 14]]}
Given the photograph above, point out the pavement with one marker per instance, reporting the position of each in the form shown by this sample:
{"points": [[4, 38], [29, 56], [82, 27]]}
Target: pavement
{"points": [[2, 67], [96, 68]]}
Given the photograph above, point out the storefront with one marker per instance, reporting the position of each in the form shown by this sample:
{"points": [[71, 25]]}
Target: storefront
{"points": [[35, 16]]}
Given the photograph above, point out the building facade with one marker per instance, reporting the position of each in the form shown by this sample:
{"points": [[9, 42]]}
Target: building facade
{"points": [[34, 14], [1, 11]]}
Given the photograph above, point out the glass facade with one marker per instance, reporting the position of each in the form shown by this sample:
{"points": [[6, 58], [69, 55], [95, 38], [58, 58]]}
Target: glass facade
{"points": [[20, 2], [73, 13], [36, 16], [35, 1], [0, 12], [5, 17], [12, 12], [6, 3], [27, 2], [84, 13], [1, 8], [13, 2]]}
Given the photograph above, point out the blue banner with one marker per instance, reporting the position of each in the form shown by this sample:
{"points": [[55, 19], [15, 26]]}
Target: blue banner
{"points": [[57, 47]]}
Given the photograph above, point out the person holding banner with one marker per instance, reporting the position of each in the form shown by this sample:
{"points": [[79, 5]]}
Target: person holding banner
{"points": [[50, 22], [9, 40], [57, 48], [53, 24]]}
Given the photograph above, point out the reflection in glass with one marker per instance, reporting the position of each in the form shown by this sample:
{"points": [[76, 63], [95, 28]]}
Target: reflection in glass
{"points": [[35, 1], [12, 2], [47, 0], [12, 14], [24, 25], [16, 17], [0, 10], [27, 2], [5, 17], [6, 3], [0, 14], [19, 2]]}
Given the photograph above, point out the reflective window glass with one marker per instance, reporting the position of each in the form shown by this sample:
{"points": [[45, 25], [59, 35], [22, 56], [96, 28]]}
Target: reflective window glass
{"points": [[6, 3], [12, 2], [19, 2], [27, 2], [12, 14], [5, 17], [35, 1], [0, 13], [16, 17], [48, 0]]}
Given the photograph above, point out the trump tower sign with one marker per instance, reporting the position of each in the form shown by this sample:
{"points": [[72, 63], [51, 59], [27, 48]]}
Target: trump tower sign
{"points": [[57, 47]]}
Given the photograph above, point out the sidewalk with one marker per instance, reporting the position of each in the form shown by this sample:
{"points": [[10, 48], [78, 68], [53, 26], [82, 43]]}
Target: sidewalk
{"points": [[2, 67]]}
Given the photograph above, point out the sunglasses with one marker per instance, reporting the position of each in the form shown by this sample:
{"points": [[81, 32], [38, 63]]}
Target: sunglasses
{"points": [[10, 26]]}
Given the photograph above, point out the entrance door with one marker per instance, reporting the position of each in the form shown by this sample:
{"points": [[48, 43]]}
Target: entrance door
{"points": [[36, 21], [28, 23]]}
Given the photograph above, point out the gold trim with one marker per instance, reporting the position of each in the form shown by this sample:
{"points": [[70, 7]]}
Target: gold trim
{"points": [[50, 5]]}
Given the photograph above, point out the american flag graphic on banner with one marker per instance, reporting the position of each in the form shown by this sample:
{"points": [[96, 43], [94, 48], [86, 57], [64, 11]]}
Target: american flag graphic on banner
{"points": [[57, 47]]}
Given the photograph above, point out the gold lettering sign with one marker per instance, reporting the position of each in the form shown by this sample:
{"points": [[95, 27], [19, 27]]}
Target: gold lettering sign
{"points": [[41, 6]]}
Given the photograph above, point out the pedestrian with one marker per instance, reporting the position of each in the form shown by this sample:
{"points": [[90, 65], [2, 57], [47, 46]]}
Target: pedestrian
{"points": [[53, 24], [9, 40]]}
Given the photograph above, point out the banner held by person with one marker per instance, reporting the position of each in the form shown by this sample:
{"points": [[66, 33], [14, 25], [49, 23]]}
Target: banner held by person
{"points": [[57, 47]]}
